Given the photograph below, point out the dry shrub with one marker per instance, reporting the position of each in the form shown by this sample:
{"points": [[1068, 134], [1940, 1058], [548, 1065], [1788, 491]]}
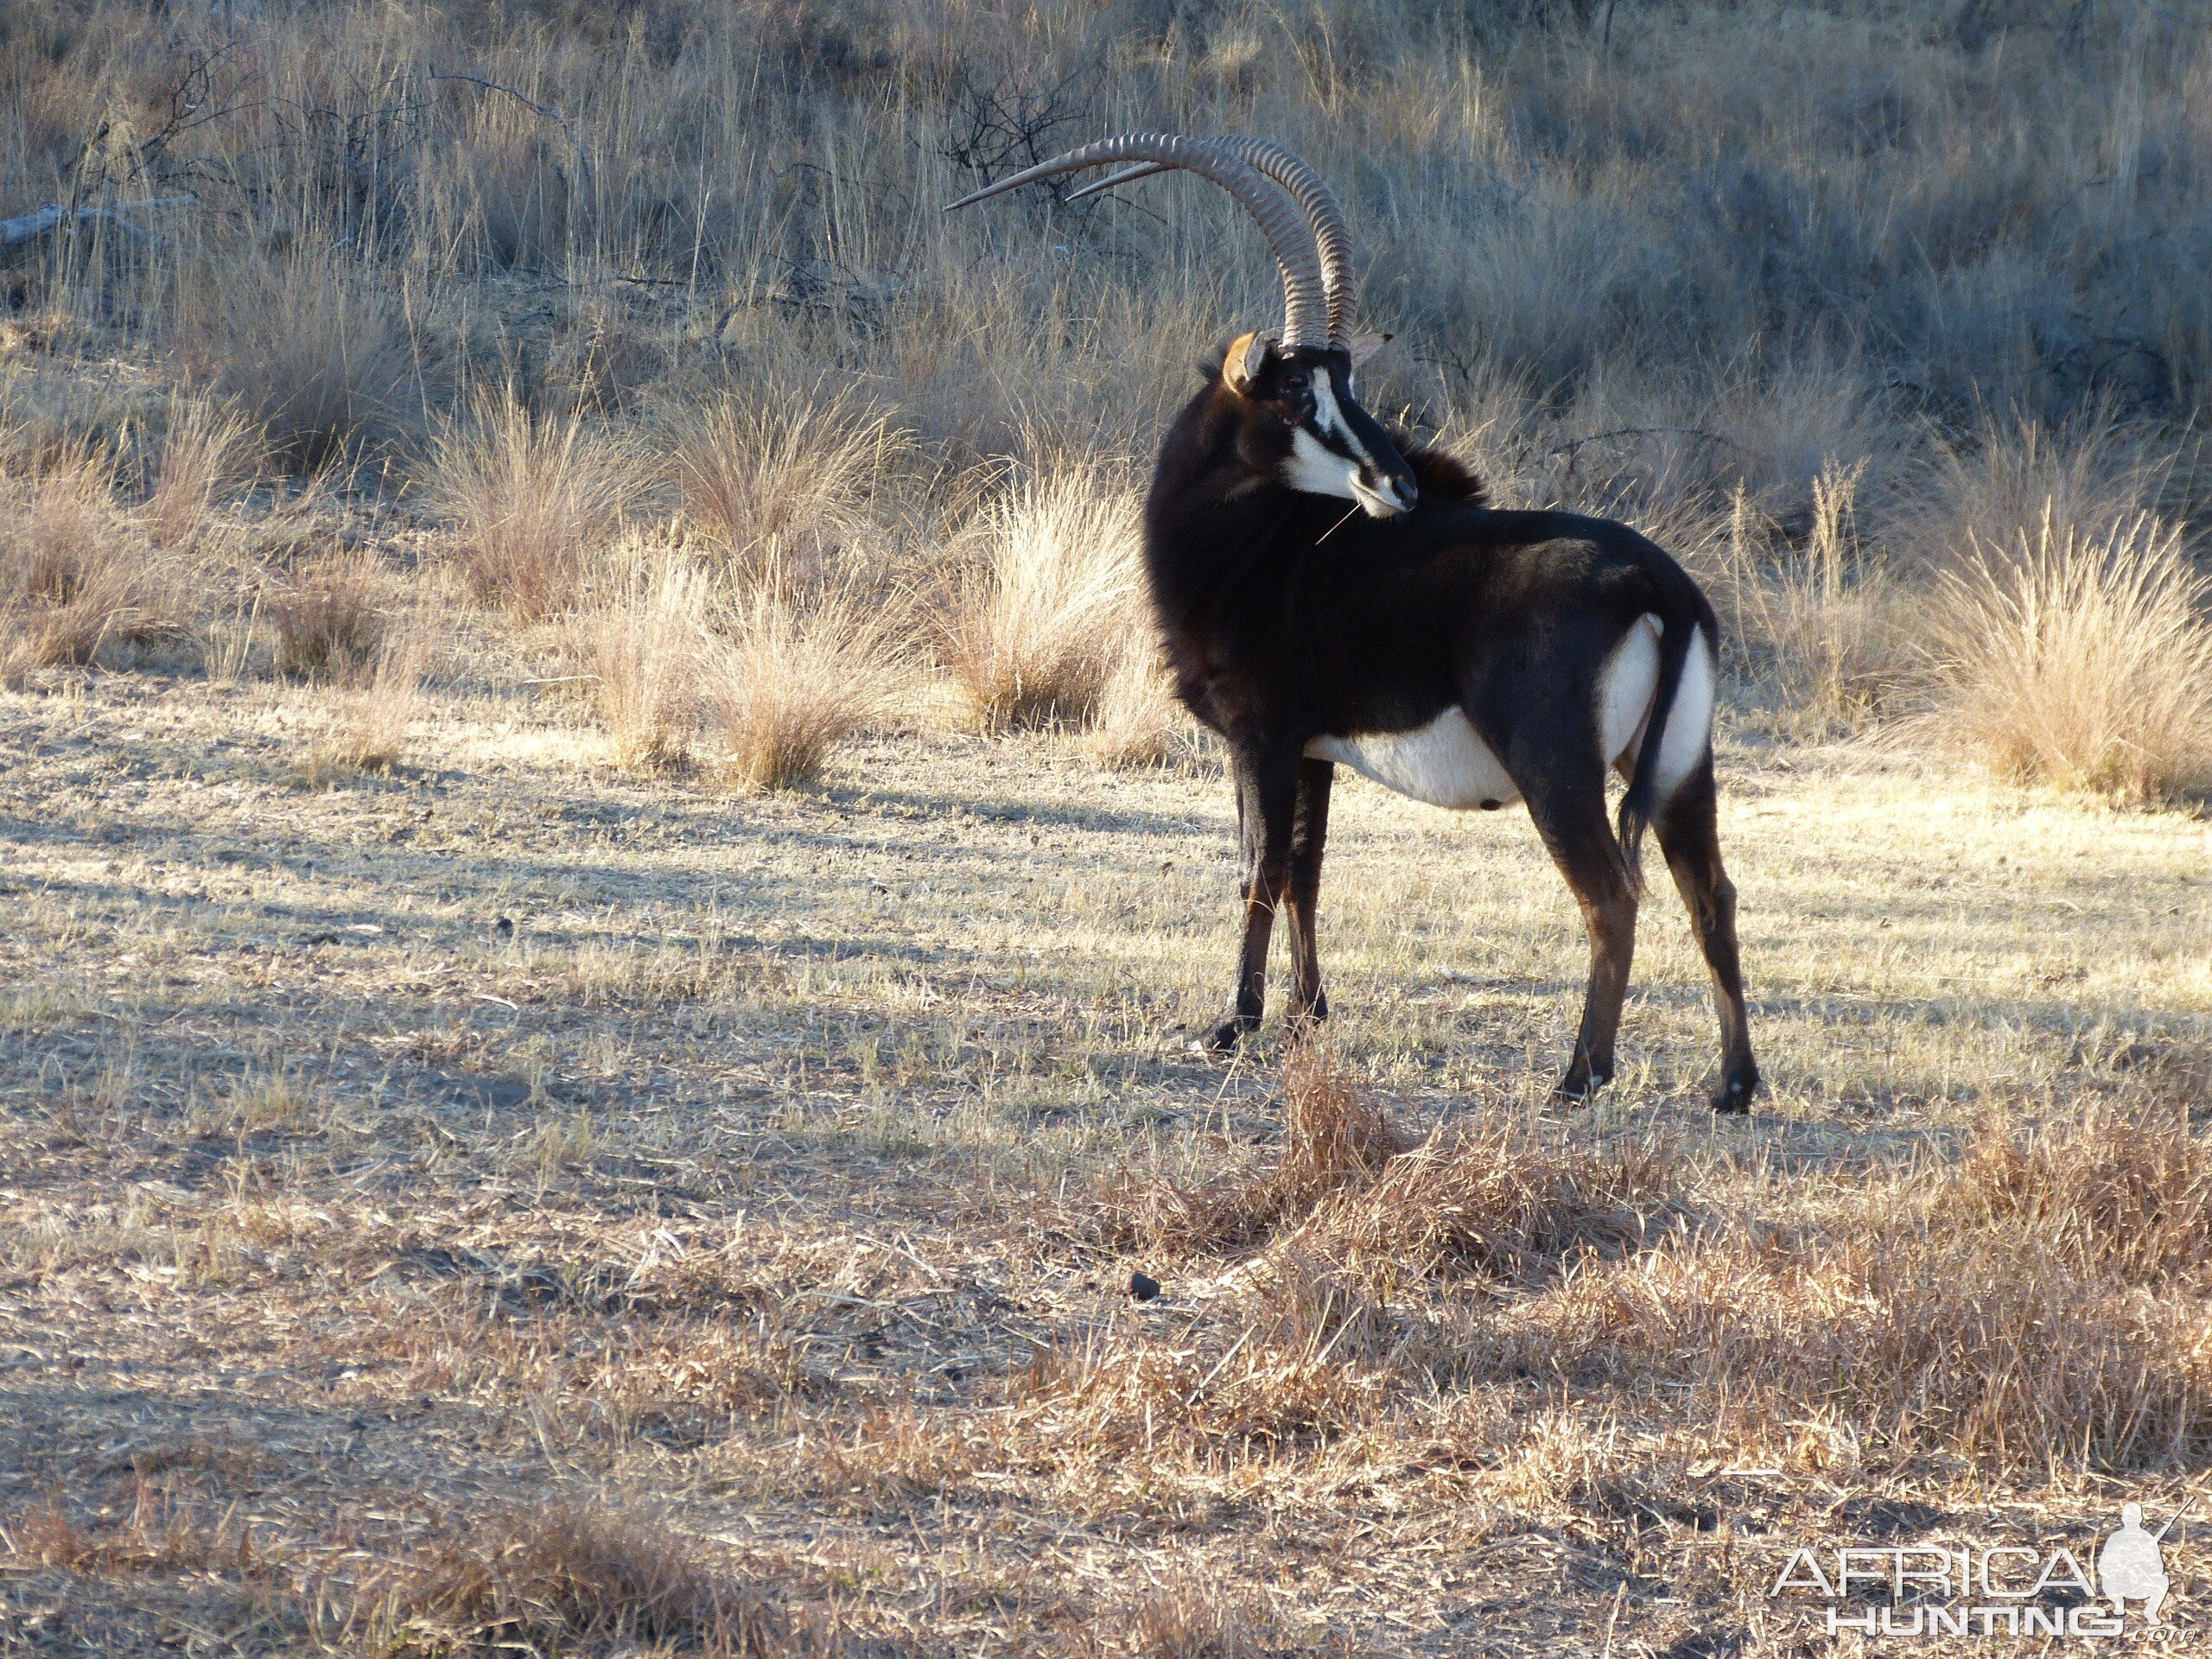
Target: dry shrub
{"points": [[1472, 1199], [2105, 1195], [1972, 1343], [331, 616], [1185, 1622], [78, 575], [1822, 615], [1140, 723], [2084, 662], [564, 1579], [787, 479], [531, 495], [207, 446], [374, 716], [311, 348], [1310, 1363], [645, 655], [1040, 626], [791, 675]]}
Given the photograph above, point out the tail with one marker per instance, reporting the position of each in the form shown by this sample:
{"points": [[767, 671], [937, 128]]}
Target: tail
{"points": [[1679, 622]]}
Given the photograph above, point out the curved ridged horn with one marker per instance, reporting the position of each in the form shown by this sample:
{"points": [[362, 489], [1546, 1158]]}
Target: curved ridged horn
{"points": [[1323, 216], [1304, 290]]}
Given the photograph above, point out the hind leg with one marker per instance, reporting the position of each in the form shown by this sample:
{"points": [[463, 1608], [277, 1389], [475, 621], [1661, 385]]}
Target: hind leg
{"points": [[1571, 819], [1689, 835]]}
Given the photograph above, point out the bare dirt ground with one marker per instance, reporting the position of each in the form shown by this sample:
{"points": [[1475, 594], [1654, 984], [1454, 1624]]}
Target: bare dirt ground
{"points": [[398, 1174]]}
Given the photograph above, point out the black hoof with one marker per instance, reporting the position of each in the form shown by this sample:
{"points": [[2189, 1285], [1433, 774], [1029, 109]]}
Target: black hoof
{"points": [[1734, 1096], [1579, 1092], [1224, 1037]]}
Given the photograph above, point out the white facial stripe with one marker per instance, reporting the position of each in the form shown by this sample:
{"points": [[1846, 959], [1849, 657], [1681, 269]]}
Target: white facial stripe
{"points": [[1315, 469], [1331, 419]]}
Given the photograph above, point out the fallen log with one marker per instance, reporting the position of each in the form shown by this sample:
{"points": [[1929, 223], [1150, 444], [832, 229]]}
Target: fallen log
{"points": [[28, 227]]}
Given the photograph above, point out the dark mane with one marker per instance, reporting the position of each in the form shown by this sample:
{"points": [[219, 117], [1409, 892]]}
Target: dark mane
{"points": [[1442, 476]]}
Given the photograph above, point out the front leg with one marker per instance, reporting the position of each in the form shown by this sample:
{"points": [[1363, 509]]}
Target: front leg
{"points": [[1309, 1004], [1266, 802]]}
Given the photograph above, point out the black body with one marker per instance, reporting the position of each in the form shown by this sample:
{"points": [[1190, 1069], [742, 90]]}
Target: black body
{"points": [[1285, 619]]}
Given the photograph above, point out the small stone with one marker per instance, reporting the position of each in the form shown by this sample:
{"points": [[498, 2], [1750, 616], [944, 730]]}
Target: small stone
{"points": [[1144, 1286]]}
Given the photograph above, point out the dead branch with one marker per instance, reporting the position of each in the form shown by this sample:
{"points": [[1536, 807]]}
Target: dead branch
{"points": [[583, 156], [29, 226]]}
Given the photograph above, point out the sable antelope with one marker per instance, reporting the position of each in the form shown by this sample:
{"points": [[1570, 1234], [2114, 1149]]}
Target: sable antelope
{"points": [[1458, 654]]}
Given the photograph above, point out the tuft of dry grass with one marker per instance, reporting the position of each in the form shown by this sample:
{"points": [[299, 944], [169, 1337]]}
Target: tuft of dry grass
{"points": [[1138, 721], [1310, 1360], [644, 655], [2080, 661], [75, 574], [207, 446], [1347, 1189], [1819, 614], [373, 717], [566, 1578], [788, 479], [331, 616], [789, 676], [311, 349], [531, 496], [1185, 1622], [1042, 623], [1969, 1342], [2106, 1195]]}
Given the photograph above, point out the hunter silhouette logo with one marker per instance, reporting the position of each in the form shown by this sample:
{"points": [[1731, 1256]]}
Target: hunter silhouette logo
{"points": [[2133, 1567], [2007, 1588]]}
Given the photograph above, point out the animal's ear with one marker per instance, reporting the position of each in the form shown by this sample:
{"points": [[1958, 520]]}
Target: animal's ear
{"points": [[1245, 361], [1365, 346]]}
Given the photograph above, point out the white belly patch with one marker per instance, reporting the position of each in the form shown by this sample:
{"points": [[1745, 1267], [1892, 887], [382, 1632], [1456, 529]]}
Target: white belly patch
{"points": [[1446, 763], [1443, 763]]}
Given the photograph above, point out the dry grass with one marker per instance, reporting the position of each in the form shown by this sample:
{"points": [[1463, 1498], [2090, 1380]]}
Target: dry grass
{"points": [[1823, 615], [313, 349], [331, 616], [789, 482], [1138, 721], [568, 1579], [206, 448], [76, 576], [522, 1132], [791, 675], [741, 1179], [1186, 1622], [1050, 611], [1349, 1189], [645, 658], [375, 713], [1965, 1342], [2109, 1195], [2079, 660], [532, 497]]}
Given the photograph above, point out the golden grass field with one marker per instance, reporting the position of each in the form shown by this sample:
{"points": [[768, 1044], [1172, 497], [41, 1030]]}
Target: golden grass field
{"points": [[394, 1167], [606, 902]]}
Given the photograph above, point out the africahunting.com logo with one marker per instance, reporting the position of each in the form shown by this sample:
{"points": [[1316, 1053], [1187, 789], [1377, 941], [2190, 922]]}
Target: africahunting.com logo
{"points": [[2005, 1590]]}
